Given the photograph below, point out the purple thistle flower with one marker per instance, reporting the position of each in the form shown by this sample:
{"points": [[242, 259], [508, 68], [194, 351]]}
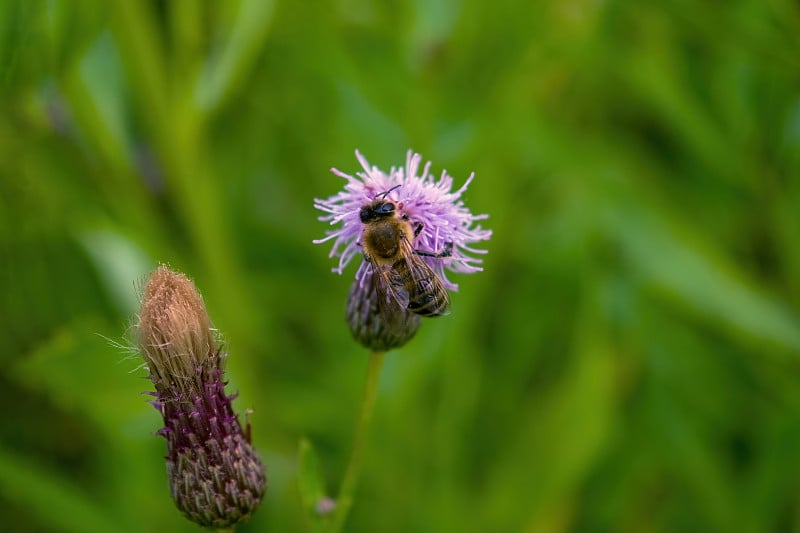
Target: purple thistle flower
{"points": [[424, 200], [216, 477]]}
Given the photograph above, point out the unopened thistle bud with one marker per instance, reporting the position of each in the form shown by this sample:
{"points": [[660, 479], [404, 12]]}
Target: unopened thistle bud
{"points": [[216, 477], [373, 329]]}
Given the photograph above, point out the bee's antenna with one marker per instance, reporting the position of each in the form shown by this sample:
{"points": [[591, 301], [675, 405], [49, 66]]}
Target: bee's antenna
{"points": [[385, 193]]}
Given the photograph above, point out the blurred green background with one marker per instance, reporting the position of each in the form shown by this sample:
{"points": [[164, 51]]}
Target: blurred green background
{"points": [[628, 360]]}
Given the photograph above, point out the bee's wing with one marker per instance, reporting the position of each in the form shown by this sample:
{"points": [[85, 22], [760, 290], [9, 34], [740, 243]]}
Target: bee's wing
{"points": [[425, 280], [392, 295]]}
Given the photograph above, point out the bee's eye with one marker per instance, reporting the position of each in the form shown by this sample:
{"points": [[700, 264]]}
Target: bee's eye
{"points": [[385, 209]]}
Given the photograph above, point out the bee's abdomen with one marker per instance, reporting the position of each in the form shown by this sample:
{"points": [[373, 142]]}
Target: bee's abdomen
{"points": [[432, 303], [425, 296]]}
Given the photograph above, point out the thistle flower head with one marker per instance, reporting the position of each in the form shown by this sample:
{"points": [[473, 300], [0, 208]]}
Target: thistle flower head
{"points": [[421, 198], [216, 477]]}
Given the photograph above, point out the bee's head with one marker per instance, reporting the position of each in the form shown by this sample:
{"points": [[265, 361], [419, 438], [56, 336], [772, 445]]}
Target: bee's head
{"points": [[378, 208]]}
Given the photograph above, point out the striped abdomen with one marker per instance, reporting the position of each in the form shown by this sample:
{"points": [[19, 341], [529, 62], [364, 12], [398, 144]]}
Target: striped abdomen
{"points": [[426, 294]]}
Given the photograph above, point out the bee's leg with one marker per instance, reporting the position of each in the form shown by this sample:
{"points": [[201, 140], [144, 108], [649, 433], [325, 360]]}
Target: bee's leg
{"points": [[447, 251]]}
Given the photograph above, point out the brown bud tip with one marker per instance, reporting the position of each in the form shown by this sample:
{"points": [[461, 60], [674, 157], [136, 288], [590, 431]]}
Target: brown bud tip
{"points": [[377, 328], [175, 335]]}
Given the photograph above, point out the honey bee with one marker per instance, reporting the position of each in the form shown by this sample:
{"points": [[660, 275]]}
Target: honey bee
{"points": [[403, 277]]}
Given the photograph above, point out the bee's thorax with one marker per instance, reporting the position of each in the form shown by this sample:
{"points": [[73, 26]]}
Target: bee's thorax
{"points": [[383, 239]]}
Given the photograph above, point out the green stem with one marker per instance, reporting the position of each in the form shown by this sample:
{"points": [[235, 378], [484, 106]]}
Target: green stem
{"points": [[351, 474]]}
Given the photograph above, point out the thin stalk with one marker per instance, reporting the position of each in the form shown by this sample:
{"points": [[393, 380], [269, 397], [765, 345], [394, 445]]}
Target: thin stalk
{"points": [[353, 471]]}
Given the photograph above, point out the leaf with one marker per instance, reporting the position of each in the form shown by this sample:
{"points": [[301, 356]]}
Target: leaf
{"points": [[566, 434], [120, 263], [316, 504], [225, 72], [54, 501], [682, 267], [81, 368]]}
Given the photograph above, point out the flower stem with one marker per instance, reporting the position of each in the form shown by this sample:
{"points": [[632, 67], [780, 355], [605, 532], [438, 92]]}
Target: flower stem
{"points": [[351, 474]]}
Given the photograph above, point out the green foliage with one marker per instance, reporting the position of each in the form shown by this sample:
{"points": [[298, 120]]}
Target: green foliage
{"points": [[627, 361], [311, 487]]}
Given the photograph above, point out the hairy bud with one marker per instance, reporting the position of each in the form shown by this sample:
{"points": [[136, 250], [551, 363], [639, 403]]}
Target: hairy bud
{"points": [[373, 328], [216, 477]]}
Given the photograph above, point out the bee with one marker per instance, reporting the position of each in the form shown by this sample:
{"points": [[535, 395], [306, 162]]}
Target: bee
{"points": [[403, 277]]}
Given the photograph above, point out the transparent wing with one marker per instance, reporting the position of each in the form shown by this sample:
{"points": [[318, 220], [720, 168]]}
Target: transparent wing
{"points": [[391, 294], [426, 288]]}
